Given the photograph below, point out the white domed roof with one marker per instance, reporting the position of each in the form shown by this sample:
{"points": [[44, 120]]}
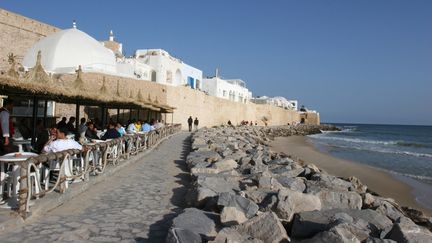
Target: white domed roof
{"points": [[64, 51]]}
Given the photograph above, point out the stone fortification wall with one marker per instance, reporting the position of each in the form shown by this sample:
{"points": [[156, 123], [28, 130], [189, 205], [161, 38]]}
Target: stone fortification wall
{"points": [[211, 110], [188, 102], [18, 34]]}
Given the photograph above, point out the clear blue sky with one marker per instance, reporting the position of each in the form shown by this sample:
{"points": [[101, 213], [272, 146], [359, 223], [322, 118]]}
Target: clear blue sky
{"points": [[354, 61]]}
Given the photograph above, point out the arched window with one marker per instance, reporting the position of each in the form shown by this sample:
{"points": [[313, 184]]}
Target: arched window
{"points": [[169, 77], [153, 76]]}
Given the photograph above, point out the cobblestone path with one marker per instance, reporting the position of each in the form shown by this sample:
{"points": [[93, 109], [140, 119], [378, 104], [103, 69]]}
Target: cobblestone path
{"points": [[137, 204]]}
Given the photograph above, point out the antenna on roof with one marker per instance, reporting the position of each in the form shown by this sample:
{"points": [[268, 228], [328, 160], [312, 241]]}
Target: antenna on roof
{"points": [[74, 24], [111, 36], [217, 72]]}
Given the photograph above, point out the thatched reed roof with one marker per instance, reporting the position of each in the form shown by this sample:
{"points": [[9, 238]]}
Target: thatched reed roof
{"points": [[37, 83]]}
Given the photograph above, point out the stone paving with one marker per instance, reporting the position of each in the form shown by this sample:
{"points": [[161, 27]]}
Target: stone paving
{"points": [[137, 204]]}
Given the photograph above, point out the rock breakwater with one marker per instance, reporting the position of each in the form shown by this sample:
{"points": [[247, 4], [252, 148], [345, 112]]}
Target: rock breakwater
{"points": [[244, 192]]}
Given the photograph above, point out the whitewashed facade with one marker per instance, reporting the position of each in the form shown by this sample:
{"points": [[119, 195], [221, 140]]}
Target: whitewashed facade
{"points": [[277, 101], [166, 69], [230, 89], [66, 50]]}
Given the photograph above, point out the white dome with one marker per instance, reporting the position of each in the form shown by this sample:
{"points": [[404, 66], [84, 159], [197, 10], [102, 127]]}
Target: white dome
{"points": [[64, 51]]}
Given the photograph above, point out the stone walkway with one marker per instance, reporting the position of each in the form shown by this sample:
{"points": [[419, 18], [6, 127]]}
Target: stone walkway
{"points": [[135, 205]]}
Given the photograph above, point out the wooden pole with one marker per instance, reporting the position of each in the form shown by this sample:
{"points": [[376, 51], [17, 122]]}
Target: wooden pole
{"points": [[45, 113], [35, 110], [77, 119]]}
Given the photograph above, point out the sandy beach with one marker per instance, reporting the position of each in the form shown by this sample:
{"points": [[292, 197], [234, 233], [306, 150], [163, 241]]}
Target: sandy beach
{"points": [[381, 182]]}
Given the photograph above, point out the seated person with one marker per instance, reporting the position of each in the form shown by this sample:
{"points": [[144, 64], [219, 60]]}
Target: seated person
{"points": [[120, 129], [131, 128], [146, 127], [111, 132], [91, 132], [61, 142], [45, 136]]}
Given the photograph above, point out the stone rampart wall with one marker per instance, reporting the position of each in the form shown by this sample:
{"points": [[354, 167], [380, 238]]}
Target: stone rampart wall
{"points": [[18, 34]]}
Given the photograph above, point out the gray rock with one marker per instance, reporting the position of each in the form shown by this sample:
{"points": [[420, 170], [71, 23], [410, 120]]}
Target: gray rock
{"points": [[378, 240], [232, 216], [332, 182], [233, 236], [259, 195], [265, 227], [282, 161], [357, 185], [295, 184], [196, 157], [195, 220], [405, 230], [339, 199], [176, 235], [288, 172], [307, 224], [290, 202], [210, 186], [248, 207], [334, 235], [390, 211]]}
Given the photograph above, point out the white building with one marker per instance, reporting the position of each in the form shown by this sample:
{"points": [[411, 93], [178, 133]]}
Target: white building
{"points": [[66, 50], [230, 89], [277, 101], [166, 69]]}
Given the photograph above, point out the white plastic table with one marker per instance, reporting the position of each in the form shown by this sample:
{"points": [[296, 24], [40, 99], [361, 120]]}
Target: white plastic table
{"points": [[14, 158]]}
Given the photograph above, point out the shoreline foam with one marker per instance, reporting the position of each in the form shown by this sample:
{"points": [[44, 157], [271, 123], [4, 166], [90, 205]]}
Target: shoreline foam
{"points": [[379, 181]]}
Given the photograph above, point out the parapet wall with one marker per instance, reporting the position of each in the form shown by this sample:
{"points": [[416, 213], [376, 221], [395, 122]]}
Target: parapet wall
{"points": [[212, 111], [18, 34]]}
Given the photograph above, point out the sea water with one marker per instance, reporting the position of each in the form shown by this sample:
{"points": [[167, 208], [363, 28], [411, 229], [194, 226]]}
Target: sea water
{"points": [[405, 151]]}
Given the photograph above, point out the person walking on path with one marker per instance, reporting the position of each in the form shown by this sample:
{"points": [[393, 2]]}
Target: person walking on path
{"points": [[190, 121], [196, 122]]}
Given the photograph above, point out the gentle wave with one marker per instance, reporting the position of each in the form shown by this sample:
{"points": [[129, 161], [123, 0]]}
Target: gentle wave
{"points": [[411, 144], [419, 177], [357, 140], [354, 140], [421, 155]]}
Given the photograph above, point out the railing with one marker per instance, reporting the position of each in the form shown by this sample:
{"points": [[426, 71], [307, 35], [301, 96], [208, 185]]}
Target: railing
{"points": [[79, 165]]}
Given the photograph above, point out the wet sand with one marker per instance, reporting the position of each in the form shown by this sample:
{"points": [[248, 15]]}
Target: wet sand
{"points": [[381, 182]]}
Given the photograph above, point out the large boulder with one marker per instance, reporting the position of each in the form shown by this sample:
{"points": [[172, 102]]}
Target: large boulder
{"points": [[197, 221], [332, 182], [210, 186], [334, 235], [295, 184], [176, 235], [196, 157], [248, 207], [233, 236], [232, 216], [340, 199], [405, 230], [307, 224], [291, 202], [265, 227]]}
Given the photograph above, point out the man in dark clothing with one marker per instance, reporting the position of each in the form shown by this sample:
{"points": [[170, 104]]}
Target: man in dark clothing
{"points": [[71, 125], [190, 121], [91, 132], [43, 137], [111, 132], [62, 123], [196, 122]]}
